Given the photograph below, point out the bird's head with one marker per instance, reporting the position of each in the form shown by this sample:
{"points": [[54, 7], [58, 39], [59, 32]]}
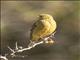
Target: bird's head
{"points": [[45, 17]]}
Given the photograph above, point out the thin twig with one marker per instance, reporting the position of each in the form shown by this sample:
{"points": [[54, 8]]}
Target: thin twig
{"points": [[21, 50], [3, 57], [18, 49]]}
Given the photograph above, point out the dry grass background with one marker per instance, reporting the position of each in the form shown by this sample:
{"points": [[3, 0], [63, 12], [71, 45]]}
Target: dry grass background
{"points": [[18, 16]]}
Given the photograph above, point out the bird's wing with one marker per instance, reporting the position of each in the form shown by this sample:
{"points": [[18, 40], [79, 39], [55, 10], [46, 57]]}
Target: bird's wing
{"points": [[32, 29], [33, 26], [39, 27]]}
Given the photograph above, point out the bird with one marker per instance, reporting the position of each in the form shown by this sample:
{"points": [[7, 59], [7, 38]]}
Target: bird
{"points": [[43, 27]]}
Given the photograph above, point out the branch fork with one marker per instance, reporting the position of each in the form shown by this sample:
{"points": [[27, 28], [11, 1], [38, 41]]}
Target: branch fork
{"points": [[21, 49]]}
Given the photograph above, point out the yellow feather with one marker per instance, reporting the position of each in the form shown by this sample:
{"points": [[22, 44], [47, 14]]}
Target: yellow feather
{"points": [[45, 26]]}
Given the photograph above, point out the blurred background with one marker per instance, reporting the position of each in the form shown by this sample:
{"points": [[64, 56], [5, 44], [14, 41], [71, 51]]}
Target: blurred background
{"points": [[17, 18]]}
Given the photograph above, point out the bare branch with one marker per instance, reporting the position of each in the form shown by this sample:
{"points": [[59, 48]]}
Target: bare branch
{"points": [[3, 57], [21, 49]]}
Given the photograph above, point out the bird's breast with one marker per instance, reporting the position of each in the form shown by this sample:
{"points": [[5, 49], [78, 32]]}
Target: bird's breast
{"points": [[52, 27]]}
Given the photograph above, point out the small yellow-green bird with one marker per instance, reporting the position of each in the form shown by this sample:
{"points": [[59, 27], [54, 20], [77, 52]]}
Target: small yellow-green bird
{"points": [[44, 26]]}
